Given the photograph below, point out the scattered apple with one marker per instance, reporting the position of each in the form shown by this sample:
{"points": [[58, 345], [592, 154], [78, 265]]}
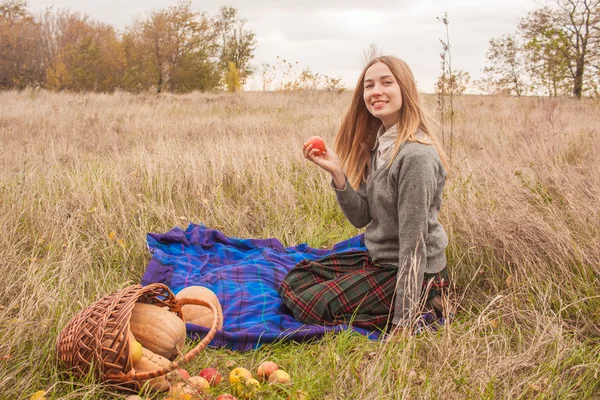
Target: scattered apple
{"points": [[265, 369], [239, 375], [248, 390], [317, 143], [179, 390], [199, 383], [180, 396], [279, 376], [183, 373], [211, 375], [226, 396]]}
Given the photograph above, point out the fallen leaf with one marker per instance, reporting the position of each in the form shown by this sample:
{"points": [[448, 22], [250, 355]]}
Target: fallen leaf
{"points": [[494, 324], [509, 281], [112, 235], [5, 357], [39, 395]]}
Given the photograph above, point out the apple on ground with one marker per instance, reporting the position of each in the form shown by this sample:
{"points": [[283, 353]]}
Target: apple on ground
{"points": [[183, 373], [251, 388], [279, 376], [180, 390], [226, 396], [239, 375], [199, 383], [265, 369], [211, 375]]}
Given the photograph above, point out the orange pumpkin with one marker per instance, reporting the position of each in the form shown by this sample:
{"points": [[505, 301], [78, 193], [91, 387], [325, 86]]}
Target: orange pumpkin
{"points": [[200, 315], [158, 329]]}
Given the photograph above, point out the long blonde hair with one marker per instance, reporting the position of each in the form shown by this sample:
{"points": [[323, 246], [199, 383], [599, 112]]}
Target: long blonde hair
{"points": [[357, 134]]}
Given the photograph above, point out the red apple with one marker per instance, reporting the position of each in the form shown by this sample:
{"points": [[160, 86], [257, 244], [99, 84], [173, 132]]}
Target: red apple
{"points": [[317, 143], [226, 396], [265, 369], [183, 373], [211, 375]]}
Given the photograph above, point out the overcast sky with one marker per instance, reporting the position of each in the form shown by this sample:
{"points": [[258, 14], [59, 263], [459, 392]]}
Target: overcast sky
{"points": [[330, 36]]}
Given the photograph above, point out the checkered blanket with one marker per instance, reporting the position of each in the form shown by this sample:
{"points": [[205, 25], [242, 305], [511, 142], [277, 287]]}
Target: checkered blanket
{"points": [[245, 275]]}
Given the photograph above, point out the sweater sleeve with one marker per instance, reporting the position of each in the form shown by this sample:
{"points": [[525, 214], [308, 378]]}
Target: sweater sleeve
{"points": [[354, 204], [416, 188]]}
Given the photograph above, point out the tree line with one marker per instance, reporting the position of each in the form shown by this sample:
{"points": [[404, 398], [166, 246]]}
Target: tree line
{"points": [[176, 49], [555, 52]]}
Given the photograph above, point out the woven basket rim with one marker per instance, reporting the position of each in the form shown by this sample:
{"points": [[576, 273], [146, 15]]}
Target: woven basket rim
{"points": [[81, 343]]}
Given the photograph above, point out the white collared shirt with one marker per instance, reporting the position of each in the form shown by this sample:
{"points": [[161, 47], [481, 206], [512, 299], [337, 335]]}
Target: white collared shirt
{"points": [[385, 145]]}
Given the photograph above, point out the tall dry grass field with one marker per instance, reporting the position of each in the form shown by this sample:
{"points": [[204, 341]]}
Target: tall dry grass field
{"points": [[521, 208]]}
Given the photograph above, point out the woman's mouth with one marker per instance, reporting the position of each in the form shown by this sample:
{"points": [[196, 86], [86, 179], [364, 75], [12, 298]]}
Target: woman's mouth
{"points": [[379, 104]]}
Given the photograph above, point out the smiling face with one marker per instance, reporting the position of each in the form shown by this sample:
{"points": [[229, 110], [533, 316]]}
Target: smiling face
{"points": [[382, 94]]}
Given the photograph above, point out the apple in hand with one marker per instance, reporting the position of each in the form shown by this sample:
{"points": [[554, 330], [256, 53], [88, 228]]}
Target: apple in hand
{"points": [[211, 375], [317, 143], [265, 369]]}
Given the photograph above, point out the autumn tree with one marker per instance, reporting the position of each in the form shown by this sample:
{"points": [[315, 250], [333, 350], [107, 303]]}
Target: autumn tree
{"points": [[561, 44], [237, 44], [81, 54], [20, 49], [505, 70], [580, 20], [173, 49], [232, 78], [546, 51]]}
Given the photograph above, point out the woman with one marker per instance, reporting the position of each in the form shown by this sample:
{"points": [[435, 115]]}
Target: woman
{"points": [[392, 185]]}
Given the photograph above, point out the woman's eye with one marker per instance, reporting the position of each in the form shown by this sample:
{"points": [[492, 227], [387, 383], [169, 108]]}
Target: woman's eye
{"points": [[368, 86]]}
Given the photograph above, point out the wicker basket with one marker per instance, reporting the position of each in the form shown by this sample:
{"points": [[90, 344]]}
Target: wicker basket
{"points": [[97, 338]]}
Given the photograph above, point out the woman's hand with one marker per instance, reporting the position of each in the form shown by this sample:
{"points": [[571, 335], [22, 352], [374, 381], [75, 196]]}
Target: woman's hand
{"points": [[328, 160]]}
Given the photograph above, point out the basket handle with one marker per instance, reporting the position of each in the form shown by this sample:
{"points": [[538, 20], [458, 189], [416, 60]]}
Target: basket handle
{"points": [[142, 376]]}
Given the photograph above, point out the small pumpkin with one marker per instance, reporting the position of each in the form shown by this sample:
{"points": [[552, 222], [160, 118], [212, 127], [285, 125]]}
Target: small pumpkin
{"points": [[151, 362], [158, 329], [200, 315]]}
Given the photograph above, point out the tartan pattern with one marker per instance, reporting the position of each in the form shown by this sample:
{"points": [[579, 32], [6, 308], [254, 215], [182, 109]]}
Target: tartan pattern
{"points": [[348, 288], [245, 275]]}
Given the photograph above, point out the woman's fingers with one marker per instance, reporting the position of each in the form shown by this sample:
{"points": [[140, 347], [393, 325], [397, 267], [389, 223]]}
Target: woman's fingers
{"points": [[310, 153]]}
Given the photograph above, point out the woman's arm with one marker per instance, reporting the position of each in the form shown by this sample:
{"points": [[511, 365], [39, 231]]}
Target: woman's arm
{"points": [[417, 182], [353, 203]]}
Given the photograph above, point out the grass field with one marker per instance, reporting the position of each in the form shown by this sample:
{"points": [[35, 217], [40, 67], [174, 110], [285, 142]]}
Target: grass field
{"points": [[521, 208]]}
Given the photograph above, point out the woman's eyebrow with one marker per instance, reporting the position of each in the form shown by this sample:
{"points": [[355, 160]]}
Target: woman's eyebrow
{"points": [[381, 77]]}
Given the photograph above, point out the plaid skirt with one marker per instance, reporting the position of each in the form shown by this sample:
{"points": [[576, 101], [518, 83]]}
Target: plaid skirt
{"points": [[348, 287]]}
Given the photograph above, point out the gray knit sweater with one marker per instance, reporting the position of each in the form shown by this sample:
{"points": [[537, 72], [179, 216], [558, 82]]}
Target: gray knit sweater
{"points": [[399, 206]]}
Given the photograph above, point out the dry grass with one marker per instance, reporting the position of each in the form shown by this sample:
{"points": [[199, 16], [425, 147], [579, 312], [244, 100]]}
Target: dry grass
{"points": [[521, 210]]}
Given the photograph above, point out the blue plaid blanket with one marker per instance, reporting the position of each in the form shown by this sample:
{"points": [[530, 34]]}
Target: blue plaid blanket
{"points": [[245, 275]]}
